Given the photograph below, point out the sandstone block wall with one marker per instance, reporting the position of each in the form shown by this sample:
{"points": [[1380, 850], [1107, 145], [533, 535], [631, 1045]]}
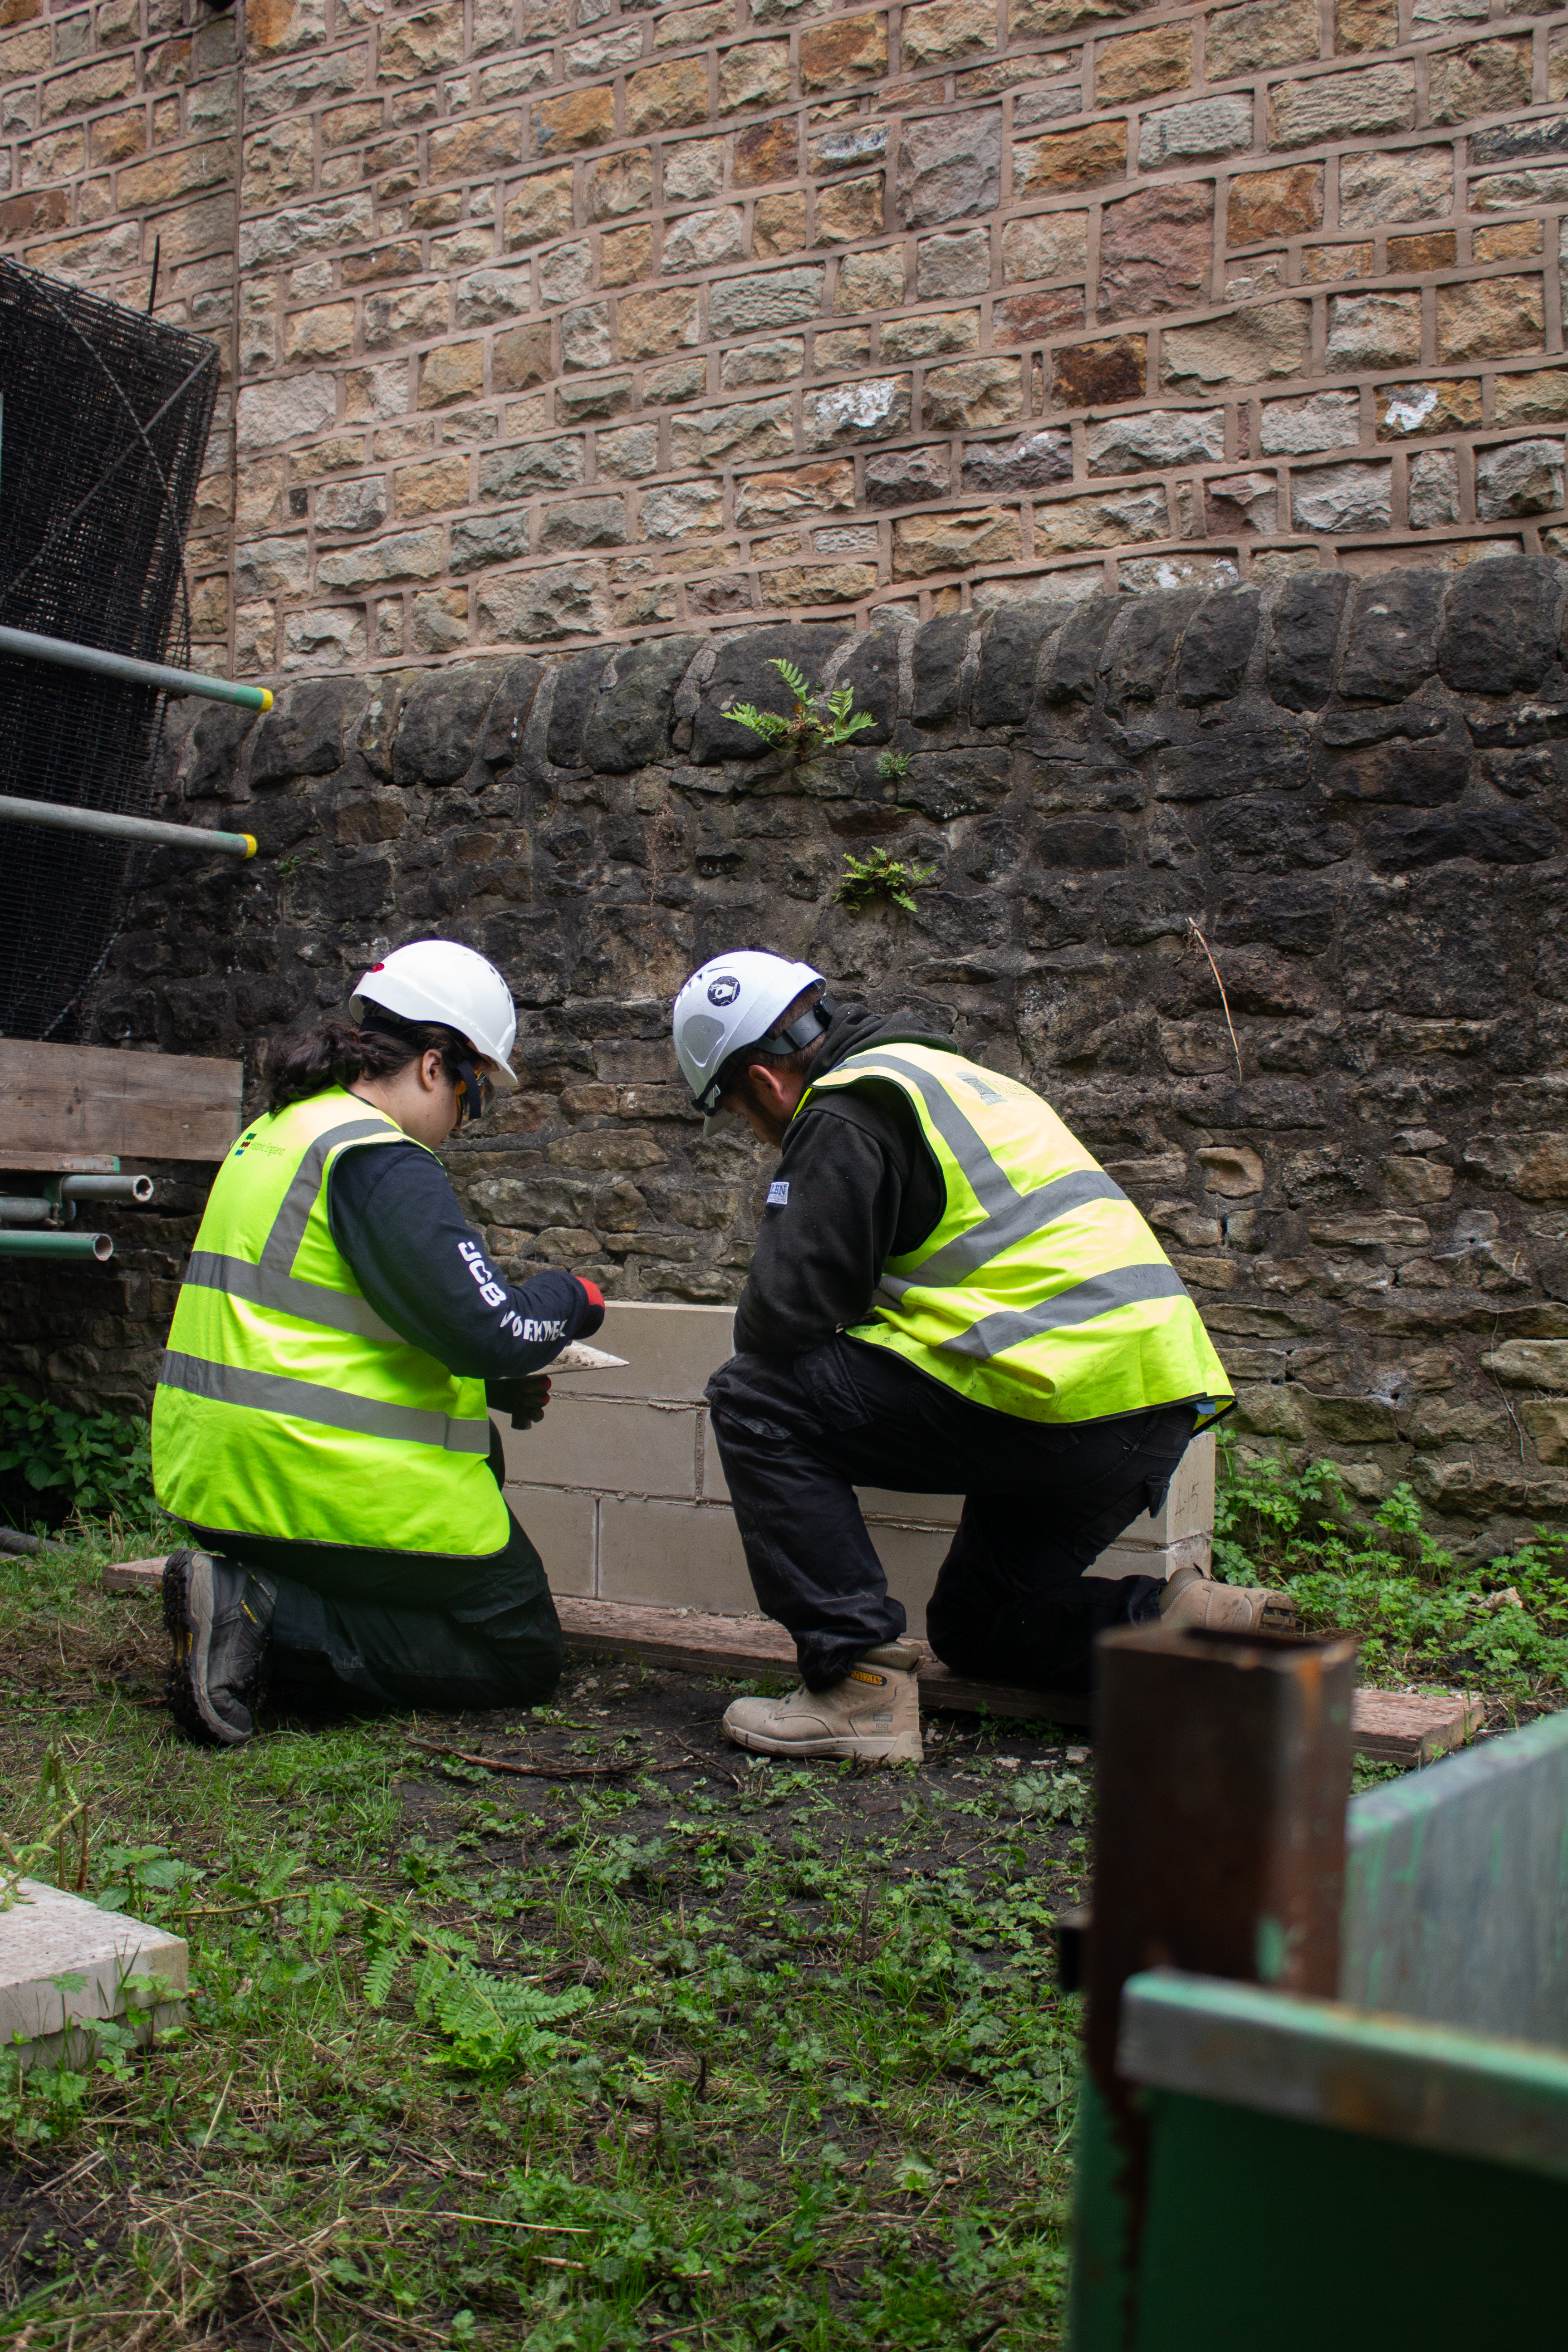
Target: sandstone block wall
{"points": [[558, 319], [622, 1489], [1354, 789]]}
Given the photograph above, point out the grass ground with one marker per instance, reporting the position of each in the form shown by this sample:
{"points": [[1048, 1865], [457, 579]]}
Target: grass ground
{"points": [[688, 2051], [656, 2045]]}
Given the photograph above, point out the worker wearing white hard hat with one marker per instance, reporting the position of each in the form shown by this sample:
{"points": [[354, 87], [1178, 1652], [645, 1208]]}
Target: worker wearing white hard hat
{"points": [[735, 1001], [947, 1296], [320, 1424]]}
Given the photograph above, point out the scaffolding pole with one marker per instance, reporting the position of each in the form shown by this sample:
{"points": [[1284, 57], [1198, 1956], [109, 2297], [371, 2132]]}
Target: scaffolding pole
{"points": [[125, 828], [28, 646]]}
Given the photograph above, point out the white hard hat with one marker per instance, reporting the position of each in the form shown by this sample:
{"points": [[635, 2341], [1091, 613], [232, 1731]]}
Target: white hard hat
{"points": [[436, 980], [729, 1001]]}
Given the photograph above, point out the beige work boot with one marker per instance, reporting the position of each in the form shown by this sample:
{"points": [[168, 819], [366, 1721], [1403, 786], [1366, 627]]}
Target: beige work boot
{"points": [[1190, 1598], [873, 1713]]}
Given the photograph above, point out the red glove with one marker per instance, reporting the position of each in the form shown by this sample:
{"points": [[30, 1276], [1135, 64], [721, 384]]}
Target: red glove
{"points": [[595, 1295]]}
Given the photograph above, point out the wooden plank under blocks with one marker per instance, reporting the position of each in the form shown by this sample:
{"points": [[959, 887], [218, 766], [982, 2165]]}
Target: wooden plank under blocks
{"points": [[1401, 1727]]}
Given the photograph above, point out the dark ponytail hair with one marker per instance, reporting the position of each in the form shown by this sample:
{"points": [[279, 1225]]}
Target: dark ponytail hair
{"points": [[334, 1054]]}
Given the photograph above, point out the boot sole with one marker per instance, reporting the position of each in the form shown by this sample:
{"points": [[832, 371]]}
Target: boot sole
{"points": [[897, 1749], [188, 1619], [1278, 1615]]}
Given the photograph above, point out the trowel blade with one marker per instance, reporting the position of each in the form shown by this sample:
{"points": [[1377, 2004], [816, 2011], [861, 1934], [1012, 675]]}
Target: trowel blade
{"points": [[575, 1358]]}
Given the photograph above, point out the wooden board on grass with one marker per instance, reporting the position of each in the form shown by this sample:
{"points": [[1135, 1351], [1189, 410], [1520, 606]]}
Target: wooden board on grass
{"points": [[1400, 1726]]}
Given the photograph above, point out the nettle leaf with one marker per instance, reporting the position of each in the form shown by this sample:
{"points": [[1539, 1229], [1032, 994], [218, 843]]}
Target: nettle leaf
{"points": [[101, 1461]]}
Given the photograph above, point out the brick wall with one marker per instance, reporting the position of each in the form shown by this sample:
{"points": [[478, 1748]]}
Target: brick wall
{"points": [[553, 321], [622, 1489]]}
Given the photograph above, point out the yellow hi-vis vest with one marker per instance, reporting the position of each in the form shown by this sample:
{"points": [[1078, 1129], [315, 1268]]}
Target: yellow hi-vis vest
{"points": [[1041, 1293], [285, 1405]]}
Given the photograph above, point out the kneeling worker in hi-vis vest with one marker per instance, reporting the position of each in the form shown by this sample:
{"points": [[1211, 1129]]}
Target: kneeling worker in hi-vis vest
{"points": [[947, 1294], [321, 1422]]}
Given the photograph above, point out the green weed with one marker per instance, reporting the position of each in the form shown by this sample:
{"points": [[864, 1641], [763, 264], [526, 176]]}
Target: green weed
{"points": [[815, 722], [1384, 1578], [95, 1464], [878, 874]]}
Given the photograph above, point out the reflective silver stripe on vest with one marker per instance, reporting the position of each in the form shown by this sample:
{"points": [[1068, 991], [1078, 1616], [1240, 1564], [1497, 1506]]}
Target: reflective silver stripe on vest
{"points": [[282, 1244], [1012, 1216], [988, 1179], [333, 1408], [1125, 1285], [285, 1294], [951, 1264]]}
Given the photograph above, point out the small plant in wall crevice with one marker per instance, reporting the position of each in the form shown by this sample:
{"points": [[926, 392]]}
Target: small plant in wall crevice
{"points": [[818, 722], [878, 875]]}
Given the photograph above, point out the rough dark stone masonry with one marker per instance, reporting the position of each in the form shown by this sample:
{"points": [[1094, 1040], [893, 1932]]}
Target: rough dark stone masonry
{"points": [[1355, 788]]}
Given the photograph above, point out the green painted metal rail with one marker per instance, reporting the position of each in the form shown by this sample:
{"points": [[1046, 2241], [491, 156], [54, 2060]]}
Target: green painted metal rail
{"points": [[30, 1243], [56, 814], [26, 645]]}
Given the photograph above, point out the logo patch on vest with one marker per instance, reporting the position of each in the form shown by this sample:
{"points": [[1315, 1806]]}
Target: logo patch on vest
{"points": [[778, 1194]]}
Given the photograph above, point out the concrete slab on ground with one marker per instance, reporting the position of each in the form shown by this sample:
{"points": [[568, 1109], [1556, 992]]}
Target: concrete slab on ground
{"points": [[66, 1965]]}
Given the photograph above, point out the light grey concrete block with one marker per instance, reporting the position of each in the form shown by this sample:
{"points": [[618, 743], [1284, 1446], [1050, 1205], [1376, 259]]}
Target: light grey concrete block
{"points": [[671, 1351], [672, 1554], [1188, 1506], [911, 1557], [610, 1447], [1152, 1560], [615, 1437], [47, 1936], [563, 1528], [712, 1484], [931, 1510]]}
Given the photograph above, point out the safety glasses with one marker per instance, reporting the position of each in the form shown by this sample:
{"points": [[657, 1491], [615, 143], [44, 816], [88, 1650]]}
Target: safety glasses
{"points": [[475, 1091]]}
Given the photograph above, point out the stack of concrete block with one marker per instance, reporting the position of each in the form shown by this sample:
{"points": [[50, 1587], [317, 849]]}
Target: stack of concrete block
{"points": [[621, 1488], [65, 1966]]}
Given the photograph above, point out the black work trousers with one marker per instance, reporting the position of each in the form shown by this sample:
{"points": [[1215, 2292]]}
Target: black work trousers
{"points": [[409, 1628], [797, 1435]]}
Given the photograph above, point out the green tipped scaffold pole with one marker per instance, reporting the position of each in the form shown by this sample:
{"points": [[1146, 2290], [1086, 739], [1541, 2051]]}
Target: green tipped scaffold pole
{"points": [[128, 828], [27, 646], [56, 1245]]}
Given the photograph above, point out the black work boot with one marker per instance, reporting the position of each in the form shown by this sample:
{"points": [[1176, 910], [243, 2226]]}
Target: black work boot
{"points": [[219, 1617]]}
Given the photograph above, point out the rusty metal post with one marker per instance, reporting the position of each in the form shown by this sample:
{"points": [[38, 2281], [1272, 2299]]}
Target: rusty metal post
{"points": [[1223, 1770]]}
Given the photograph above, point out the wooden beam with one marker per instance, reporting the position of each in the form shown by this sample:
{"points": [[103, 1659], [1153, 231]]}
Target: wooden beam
{"points": [[69, 1105], [1402, 1727], [695, 1641], [60, 1163]]}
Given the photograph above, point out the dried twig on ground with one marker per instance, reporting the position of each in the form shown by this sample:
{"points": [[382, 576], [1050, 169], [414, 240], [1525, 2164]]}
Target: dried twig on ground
{"points": [[543, 1771]]}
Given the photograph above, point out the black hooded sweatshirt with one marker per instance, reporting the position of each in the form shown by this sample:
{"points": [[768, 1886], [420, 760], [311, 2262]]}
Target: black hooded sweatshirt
{"points": [[857, 1185]]}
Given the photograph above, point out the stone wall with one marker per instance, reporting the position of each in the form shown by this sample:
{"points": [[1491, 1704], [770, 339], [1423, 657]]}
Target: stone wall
{"points": [[1353, 789], [555, 319]]}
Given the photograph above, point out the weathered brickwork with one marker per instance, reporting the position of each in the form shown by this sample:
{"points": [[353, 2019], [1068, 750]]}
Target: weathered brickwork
{"points": [[555, 319], [1354, 789]]}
